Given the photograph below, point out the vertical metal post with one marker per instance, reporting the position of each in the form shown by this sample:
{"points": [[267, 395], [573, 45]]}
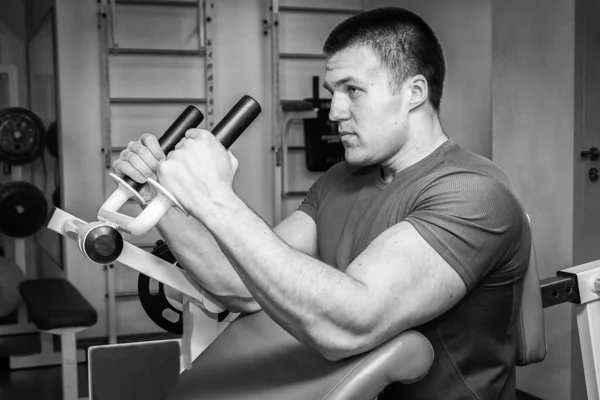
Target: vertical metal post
{"points": [[209, 71], [103, 25], [276, 113], [111, 304], [69, 366], [105, 15], [588, 323]]}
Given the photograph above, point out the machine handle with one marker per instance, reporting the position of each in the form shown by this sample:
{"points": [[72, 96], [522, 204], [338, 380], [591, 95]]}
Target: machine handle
{"points": [[236, 121], [190, 118]]}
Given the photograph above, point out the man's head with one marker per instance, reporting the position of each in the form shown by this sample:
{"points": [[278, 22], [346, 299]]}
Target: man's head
{"points": [[385, 71], [404, 43]]}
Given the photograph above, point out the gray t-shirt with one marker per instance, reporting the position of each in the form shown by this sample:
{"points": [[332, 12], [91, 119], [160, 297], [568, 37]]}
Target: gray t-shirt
{"points": [[463, 205]]}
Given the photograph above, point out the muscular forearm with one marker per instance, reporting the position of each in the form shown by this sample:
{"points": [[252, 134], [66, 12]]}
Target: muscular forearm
{"points": [[313, 301], [197, 250]]}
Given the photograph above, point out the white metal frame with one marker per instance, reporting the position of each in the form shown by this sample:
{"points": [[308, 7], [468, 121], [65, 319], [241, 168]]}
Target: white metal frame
{"points": [[588, 323]]}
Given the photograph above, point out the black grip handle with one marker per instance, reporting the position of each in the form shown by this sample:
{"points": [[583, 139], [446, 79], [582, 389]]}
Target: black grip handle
{"points": [[235, 122], [190, 118]]}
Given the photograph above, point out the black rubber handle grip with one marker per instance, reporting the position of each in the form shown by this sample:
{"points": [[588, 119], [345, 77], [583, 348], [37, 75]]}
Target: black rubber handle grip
{"points": [[190, 118], [236, 121]]}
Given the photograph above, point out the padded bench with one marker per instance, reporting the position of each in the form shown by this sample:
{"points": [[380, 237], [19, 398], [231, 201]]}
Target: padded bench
{"points": [[56, 306]]}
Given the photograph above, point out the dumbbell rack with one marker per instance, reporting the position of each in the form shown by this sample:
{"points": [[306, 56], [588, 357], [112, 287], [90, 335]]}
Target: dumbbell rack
{"points": [[287, 112], [109, 47]]}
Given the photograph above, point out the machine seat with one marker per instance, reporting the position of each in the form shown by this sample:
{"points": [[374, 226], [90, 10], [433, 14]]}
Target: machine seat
{"points": [[54, 303]]}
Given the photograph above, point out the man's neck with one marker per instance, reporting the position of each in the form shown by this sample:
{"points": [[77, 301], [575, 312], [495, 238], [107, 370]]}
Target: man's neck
{"points": [[423, 140]]}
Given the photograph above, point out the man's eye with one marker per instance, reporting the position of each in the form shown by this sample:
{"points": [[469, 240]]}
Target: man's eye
{"points": [[353, 91]]}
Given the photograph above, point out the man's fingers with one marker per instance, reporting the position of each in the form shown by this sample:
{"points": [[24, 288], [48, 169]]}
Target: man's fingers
{"points": [[124, 168], [151, 143]]}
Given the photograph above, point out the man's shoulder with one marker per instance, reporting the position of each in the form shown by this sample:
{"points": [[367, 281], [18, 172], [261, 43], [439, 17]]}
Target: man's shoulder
{"points": [[458, 160]]}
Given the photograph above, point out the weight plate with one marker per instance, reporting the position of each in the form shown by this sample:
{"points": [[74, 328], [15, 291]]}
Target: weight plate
{"points": [[23, 209], [22, 136]]}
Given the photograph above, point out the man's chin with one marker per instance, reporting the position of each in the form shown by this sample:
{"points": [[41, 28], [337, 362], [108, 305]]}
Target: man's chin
{"points": [[356, 160]]}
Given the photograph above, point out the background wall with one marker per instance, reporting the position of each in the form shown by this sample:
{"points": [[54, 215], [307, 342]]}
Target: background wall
{"points": [[533, 123], [464, 29]]}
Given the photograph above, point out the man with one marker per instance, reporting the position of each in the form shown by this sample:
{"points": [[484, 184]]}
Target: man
{"points": [[411, 231]]}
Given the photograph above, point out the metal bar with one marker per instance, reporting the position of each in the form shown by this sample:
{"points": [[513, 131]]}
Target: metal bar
{"points": [[558, 290], [296, 105], [199, 20], [318, 10], [209, 70], [175, 3], [276, 113], [156, 52], [588, 326], [292, 193], [296, 148], [302, 56], [132, 294], [105, 88], [111, 314], [113, 23], [155, 100]]}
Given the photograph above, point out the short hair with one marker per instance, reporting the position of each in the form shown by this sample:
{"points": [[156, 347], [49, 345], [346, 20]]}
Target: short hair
{"points": [[405, 44]]}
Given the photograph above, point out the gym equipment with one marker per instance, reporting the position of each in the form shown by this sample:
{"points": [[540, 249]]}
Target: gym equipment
{"points": [[23, 209], [156, 304], [323, 144], [101, 241], [22, 137], [55, 306], [11, 277], [254, 358]]}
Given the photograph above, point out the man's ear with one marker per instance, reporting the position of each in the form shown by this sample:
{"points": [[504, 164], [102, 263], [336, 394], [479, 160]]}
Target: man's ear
{"points": [[419, 91]]}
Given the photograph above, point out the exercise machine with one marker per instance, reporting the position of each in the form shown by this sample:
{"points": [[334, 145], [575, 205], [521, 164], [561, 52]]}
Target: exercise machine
{"points": [[254, 358]]}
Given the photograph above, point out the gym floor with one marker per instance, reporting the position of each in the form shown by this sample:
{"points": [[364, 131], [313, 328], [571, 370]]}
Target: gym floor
{"points": [[38, 383]]}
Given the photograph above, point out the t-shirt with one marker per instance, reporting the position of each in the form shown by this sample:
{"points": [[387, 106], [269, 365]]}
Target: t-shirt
{"points": [[464, 206]]}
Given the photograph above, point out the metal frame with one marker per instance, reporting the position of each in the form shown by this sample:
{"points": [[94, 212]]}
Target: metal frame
{"points": [[109, 47]]}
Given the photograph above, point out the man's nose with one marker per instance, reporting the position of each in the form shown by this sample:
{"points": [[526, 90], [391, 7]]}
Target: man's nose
{"points": [[338, 110]]}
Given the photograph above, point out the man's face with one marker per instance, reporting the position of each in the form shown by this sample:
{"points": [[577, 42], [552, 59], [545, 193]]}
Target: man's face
{"points": [[371, 120]]}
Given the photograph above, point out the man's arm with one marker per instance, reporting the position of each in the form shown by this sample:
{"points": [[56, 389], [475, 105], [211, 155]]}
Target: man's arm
{"points": [[398, 282], [199, 253]]}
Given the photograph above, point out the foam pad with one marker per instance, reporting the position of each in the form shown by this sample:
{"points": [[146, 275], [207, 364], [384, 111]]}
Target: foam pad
{"points": [[55, 303]]}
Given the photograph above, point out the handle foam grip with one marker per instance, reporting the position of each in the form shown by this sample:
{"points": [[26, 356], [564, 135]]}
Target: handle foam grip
{"points": [[190, 118], [235, 122]]}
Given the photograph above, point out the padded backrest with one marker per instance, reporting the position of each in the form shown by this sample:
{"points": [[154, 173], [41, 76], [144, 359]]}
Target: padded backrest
{"points": [[532, 340]]}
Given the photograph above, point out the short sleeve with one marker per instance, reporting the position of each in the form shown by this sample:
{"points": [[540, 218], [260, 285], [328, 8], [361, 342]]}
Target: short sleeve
{"points": [[472, 220], [310, 203]]}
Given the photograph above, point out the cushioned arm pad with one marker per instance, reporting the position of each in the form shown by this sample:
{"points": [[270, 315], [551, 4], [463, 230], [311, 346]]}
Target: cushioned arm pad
{"points": [[254, 358]]}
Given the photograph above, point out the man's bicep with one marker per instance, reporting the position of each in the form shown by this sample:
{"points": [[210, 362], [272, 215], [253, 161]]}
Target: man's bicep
{"points": [[300, 232], [409, 282]]}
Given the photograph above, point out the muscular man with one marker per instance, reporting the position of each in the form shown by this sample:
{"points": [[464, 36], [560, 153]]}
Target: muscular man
{"points": [[411, 231]]}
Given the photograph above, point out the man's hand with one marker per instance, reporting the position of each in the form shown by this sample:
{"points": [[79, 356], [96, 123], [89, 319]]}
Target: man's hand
{"points": [[139, 161], [199, 172]]}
